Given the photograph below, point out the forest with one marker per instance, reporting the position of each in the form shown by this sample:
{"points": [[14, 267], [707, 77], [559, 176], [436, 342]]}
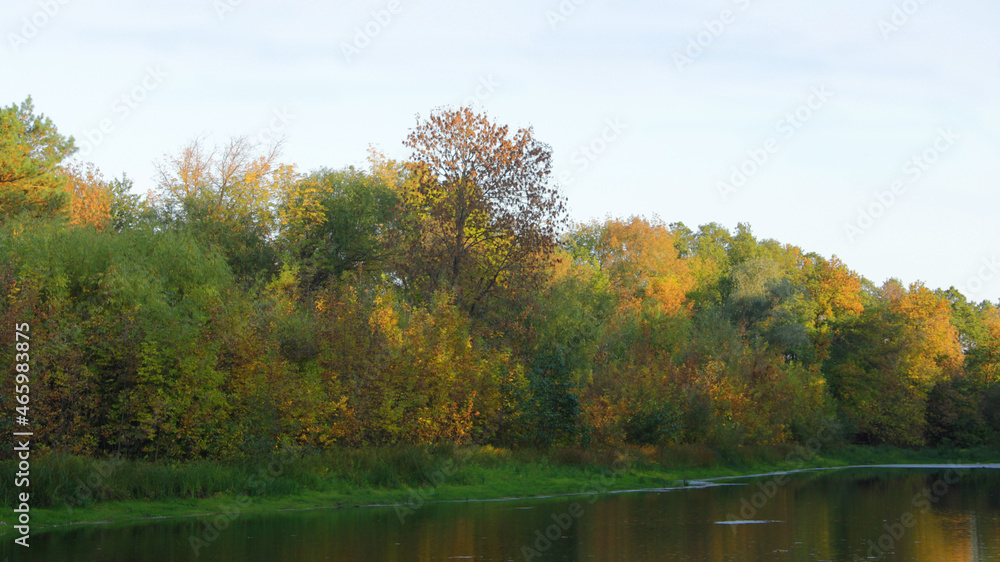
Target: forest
{"points": [[244, 305]]}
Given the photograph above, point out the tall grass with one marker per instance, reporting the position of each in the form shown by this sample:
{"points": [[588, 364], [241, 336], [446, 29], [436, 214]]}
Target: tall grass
{"points": [[59, 480]]}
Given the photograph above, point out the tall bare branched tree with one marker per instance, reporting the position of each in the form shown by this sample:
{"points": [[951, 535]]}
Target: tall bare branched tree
{"points": [[239, 181]]}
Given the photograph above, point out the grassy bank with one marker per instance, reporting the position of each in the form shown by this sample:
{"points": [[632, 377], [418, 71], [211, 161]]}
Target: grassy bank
{"points": [[67, 489]]}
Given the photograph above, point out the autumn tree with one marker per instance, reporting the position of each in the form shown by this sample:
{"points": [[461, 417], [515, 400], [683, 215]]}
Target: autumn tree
{"points": [[335, 221], [641, 258], [935, 353], [985, 366], [31, 151], [91, 197], [835, 289], [132, 322], [481, 209], [983, 357], [710, 265], [238, 181], [962, 410], [227, 197], [834, 294], [884, 363]]}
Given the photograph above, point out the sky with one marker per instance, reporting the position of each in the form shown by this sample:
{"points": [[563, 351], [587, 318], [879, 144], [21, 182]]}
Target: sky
{"points": [[865, 129]]}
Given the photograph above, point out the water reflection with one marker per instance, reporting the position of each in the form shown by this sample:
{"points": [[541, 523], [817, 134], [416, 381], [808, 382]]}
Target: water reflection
{"points": [[845, 515]]}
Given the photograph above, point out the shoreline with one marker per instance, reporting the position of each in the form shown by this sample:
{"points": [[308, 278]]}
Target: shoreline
{"points": [[938, 466], [641, 479]]}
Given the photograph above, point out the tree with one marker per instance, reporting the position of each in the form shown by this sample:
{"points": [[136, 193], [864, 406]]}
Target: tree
{"points": [[935, 353], [126, 208], [766, 303], [964, 410], [335, 221], [641, 259], [884, 363], [237, 183], [863, 369], [480, 206], [835, 291], [227, 197], [91, 197], [132, 323], [983, 359], [710, 264], [31, 150]]}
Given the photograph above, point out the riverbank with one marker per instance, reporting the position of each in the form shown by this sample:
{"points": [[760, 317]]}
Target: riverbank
{"points": [[76, 490]]}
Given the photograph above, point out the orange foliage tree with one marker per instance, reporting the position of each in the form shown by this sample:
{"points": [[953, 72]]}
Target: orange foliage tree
{"points": [[90, 204]]}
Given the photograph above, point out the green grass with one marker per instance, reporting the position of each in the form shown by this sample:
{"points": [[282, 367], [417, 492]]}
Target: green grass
{"points": [[70, 489]]}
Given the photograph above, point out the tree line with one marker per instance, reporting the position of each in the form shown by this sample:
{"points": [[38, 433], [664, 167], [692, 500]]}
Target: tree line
{"points": [[245, 305]]}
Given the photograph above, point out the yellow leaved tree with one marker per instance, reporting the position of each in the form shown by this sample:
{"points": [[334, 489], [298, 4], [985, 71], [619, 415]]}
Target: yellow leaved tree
{"points": [[227, 197], [239, 181]]}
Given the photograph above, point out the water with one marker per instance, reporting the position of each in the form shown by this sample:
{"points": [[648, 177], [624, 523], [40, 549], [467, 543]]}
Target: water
{"points": [[900, 514]]}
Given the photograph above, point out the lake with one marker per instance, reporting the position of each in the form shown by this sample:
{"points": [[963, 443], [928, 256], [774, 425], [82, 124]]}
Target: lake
{"points": [[851, 514]]}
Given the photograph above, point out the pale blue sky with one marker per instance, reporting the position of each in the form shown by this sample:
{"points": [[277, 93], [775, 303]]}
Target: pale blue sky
{"points": [[680, 131]]}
